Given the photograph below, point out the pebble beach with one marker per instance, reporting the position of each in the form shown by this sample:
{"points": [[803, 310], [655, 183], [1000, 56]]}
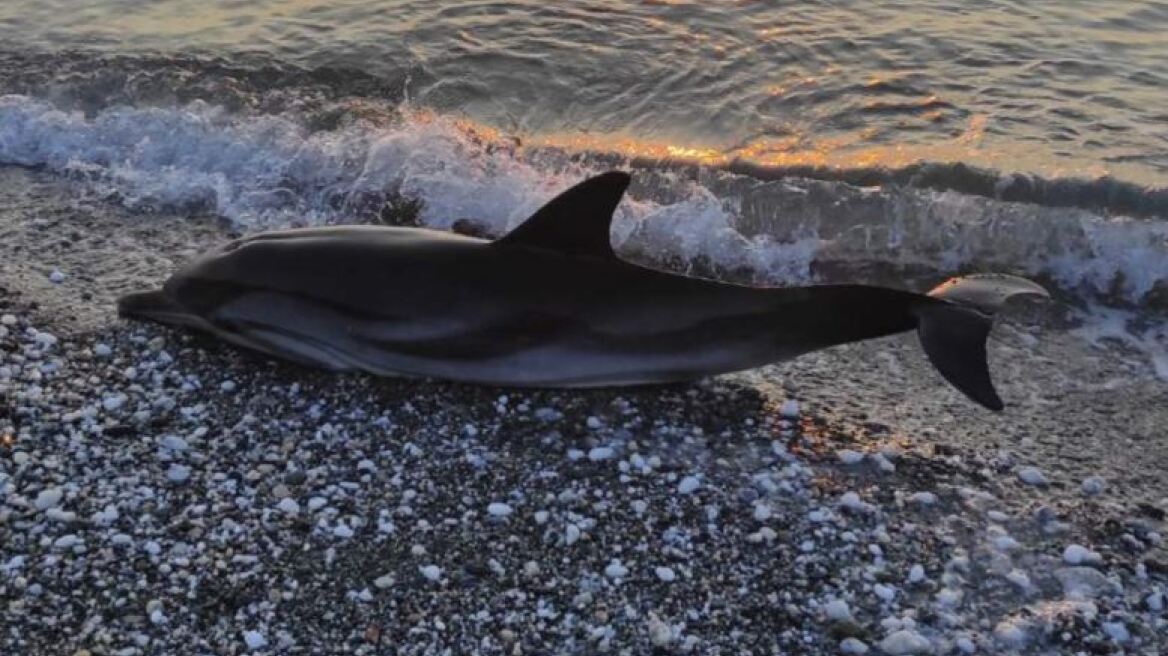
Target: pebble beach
{"points": [[161, 493]]}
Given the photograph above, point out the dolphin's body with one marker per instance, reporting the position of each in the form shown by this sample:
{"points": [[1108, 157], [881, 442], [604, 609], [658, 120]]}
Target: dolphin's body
{"points": [[548, 305]]}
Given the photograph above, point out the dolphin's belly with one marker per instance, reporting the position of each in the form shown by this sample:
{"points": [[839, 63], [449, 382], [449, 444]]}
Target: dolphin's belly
{"points": [[521, 347]]}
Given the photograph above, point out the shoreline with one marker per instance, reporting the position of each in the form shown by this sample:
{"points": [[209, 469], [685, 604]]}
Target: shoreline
{"points": [[178, 496]]}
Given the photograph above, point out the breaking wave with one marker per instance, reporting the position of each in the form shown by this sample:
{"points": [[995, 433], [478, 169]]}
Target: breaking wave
{"points": [[348, 160]]}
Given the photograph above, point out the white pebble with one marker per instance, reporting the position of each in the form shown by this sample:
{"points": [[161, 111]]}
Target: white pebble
{"points": [[571, 534], [689, 485], [383, 582], [1093, 485], [178, 473], [113, 402], [499, 509], [254, 640], [1077, 554], [1031, 476], [615, 570], [227, 386], [660, 634], [1019, 578], [965, 645], [343, 531], [593, 423], [102, 350], [66, 542], [762, 512], [601, 453], [49, 498], [837, 610], [905, 642], [1155, 602], [853, 646], [288, 506], [1012, 633], [849, 457], [923, 498], [540, 516], [56, 277], [886, 592], [1117, 631], [916, 574], [665, 574], [431, 572]]}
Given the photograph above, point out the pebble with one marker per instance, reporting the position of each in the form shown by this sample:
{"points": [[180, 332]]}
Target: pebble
{"points": [[1093, 486], [665, 574], [853, 646], [689, 485], [904, 642], [1117, 631], [254, 640], [343, 531], [102, 350], [615, 569], [499, 509], [288, 506], [178, 474], [1077, 554], [49, 498], [601, 453], [1031, 476], [1085, 583], [56, 277], [916, 574], [789, 409], [849, 457], [660, 633], [837, 610], [431, 572], [923, 498]]}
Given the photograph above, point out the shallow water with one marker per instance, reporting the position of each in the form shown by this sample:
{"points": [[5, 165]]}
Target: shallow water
{"points": [[1057, 88]]}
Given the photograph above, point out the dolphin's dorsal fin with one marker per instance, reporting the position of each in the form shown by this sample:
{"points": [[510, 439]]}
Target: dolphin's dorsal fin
{"points": [[577, 221]]}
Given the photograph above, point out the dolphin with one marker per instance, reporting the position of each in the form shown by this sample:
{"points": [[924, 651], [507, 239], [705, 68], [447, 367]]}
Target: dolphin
{"points": [[547, 305]]}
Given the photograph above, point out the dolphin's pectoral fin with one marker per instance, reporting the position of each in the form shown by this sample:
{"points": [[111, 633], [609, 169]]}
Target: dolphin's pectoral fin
{"points": [[986, 291], [577, 221]]}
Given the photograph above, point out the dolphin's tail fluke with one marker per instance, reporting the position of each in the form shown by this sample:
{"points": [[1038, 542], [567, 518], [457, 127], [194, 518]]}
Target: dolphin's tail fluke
{"points": [[954, 333]]}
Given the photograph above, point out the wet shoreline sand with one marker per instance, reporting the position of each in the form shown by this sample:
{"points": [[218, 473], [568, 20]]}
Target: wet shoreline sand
{"points": [[162, 493]]}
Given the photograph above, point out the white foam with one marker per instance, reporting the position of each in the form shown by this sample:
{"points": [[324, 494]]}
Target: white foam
{"points": [[266, 171]]}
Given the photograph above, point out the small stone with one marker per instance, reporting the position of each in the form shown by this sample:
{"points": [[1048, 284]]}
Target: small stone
{"points": [[601, 453], [254, 640], [789, 409], [615, 569], [227, 386], [1093, 486], [1031, 476], [665, 574], [1086, 583], [853, 646], [343, 531], [849, 457], [837, 610], [431, 572], [571, 534], [499, 510], [102, 351], [1117, 631], [905, 642], [923, 498], [56, 277], [916, 574], [48, 498], [288, 506], [660, 634], [178, 474], [1077, 554], [689, 485], [383, 582]]}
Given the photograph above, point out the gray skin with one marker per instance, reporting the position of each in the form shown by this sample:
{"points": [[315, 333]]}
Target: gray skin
{"points": [[549, 305]]}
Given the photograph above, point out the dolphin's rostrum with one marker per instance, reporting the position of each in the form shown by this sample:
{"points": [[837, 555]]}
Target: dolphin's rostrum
{"points": [[548, 305]]}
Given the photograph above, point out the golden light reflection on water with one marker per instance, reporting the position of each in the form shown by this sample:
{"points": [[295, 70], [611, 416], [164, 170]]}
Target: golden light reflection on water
{"points": [[842, 152]]}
